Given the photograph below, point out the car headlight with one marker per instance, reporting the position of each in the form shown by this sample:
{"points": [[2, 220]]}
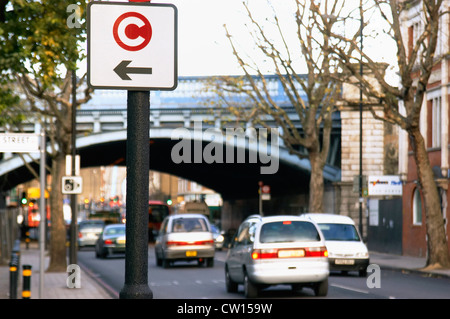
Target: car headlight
{"points": [[362, 254], [220, 238]]}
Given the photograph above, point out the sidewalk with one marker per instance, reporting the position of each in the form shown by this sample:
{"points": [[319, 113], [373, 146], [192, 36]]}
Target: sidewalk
{"points": [[55, 283], [405, 263], [55, 286]]}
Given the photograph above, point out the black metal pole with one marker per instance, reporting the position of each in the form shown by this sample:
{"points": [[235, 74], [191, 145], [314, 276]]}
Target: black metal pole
{"points": [[138, 150], [361, 130], [73, 198]]}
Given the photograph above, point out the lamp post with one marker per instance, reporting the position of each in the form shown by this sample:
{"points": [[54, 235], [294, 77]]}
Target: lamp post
{"points": [[73, 199], [361, 125]]}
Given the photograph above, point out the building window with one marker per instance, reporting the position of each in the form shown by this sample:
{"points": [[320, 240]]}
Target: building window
{"points": [[436, 123], [417, 207]]}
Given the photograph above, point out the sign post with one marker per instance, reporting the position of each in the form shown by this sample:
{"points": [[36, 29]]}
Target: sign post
{"points": [[31, 143], [140, 43]]}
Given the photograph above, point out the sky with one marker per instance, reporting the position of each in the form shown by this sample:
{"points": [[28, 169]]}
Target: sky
{"points": [[203, 48]]}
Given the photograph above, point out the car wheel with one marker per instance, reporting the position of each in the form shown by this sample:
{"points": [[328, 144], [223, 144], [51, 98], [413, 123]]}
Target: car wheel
{"points": [[363, 272], [321, 288], [104, 253], [165, 263], [250, 289], [159, 261], [229, 283], [296, 288]]}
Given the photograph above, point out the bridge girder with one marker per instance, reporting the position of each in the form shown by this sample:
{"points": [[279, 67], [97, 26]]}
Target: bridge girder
{"points": [[233, 180]]}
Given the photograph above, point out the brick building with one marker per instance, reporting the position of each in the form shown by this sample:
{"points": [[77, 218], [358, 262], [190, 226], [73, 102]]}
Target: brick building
{"points": [[434, 125]]}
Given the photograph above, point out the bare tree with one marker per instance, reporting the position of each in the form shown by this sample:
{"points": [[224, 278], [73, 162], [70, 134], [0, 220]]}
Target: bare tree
{"points": [[38, 52], [311, 51], [416, 61], [53, 108]]}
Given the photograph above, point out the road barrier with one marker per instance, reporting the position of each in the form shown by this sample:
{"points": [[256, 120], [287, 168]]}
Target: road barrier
{"points": [[14, 265], [26, 290]]}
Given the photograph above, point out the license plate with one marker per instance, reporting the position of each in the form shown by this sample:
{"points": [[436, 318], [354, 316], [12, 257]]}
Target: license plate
{"points": [[344, 261], [191, 253], [121, 240], [291, 253], [91, 235]]}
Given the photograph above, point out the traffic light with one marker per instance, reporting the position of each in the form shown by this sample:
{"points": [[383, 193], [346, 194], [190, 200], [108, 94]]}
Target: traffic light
{"points": [[169, 202], [23, 199]]}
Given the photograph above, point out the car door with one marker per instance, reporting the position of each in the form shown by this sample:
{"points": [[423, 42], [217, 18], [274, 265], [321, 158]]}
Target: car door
{"points": [[237, 253], [160, 238]]}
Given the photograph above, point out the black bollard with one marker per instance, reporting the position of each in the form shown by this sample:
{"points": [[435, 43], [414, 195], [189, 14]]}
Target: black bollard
{"points": [[26, 290], [13, 277]]}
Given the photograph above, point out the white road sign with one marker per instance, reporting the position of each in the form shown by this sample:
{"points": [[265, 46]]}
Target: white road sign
{"points": [[132, 46], [19, 142], [385, 185], [72, 185]]}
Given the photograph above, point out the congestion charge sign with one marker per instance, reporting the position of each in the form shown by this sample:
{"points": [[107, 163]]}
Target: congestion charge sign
{"points": [[132, 46]]}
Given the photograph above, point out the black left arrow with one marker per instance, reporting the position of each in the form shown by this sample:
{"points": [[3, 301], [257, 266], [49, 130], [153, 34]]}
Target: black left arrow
{"points": [[122, 70]]}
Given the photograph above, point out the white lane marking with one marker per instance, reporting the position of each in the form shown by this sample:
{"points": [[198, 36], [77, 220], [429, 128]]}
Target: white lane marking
{"points": [[350, 288]]}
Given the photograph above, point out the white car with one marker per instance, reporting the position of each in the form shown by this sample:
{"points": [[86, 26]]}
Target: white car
{"points": [[346, 250], [288, 250], [185, 237]]}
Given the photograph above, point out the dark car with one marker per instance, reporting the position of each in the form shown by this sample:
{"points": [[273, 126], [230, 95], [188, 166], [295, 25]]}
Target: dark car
{"points": [[111, 241]]}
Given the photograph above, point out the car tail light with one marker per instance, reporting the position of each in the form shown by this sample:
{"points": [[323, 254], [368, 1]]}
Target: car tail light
{"points": [[80, 235], [185, 243], [290, 253], [108, 242], [316, 252]]}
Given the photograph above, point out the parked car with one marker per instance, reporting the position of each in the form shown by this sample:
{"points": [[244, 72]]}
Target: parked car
{"points": [[277, 250], [218, 237], [346, 250], [111, 241], [185, 237], [89, 231]]}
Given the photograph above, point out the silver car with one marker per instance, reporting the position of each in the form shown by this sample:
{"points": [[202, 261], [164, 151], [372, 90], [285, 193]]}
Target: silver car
{"points": [[277, 250], [89, 231], [185, 237]]}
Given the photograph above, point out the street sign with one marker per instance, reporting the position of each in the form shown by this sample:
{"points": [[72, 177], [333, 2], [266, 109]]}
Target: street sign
{"points": [[19, 142], [132, 46], [72, 185], [385, 185], [265, 192]]}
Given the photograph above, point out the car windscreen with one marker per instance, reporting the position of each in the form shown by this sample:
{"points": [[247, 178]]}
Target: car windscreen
{"points": [[188, 224], [341, 232], [119, 230], [288, 231]]}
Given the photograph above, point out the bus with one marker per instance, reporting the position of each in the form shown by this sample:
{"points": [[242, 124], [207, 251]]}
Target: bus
{"points": [[31, 210], [157, 211]]}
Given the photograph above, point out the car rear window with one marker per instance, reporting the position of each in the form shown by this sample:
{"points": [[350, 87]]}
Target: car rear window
{"points": [[343, 232], [99, 224], [288, 231], [182, 225]]}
